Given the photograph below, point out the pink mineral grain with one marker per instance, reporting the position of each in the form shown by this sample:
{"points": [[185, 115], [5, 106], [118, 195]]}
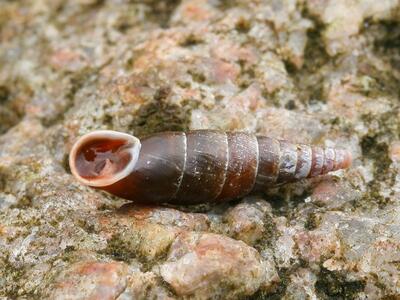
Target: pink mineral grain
{"points": [[199, 264], [395, 151], [91, 280], [247, 221]]}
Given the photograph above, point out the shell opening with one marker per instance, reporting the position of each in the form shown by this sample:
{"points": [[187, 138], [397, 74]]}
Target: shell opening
{"points": [[103, 157]]}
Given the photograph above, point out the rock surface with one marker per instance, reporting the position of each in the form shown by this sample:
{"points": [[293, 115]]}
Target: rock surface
{"points": [[315, 71], [215, 266]]}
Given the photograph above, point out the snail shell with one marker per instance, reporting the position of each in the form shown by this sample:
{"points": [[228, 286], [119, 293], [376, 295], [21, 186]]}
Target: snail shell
{"points": [[197, 166]]}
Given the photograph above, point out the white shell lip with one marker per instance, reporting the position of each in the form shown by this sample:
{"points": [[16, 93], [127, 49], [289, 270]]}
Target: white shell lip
{"points": [[110, 134]]}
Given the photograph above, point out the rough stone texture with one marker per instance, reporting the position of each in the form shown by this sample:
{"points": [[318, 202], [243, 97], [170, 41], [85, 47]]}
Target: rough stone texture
{"points": [[345, 18], [90, 280], [316, 71], [248, 221], [220, 264]]}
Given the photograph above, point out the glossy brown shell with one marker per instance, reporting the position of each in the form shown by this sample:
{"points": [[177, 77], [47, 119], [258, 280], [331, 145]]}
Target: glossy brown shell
{"points": [[212, 166]]}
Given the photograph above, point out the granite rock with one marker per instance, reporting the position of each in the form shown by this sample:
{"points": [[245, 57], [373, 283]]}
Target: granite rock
{"points": [[311, 71], [213, 266]]}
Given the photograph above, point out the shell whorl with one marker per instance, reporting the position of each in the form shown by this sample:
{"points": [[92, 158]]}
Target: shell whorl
{"points": [[298, 161], [281, 161]]}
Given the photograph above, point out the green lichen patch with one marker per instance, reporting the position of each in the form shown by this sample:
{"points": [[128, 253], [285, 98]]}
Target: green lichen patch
{"points": [[12, 281], [332, 285], [285, 199], [161, 11], [269, 235], [313, 221], [9, 114], [391, 38], [191, 40], [375, 147], [280, 290], [378, 151], [120, 249], [308, 80], [138, 244], [159, 115], [243, 25], [4, 94]]}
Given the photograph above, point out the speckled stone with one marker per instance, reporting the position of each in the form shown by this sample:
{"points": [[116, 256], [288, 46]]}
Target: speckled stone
{"points": [[198, 265], [91, 280], [310, 71]]}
